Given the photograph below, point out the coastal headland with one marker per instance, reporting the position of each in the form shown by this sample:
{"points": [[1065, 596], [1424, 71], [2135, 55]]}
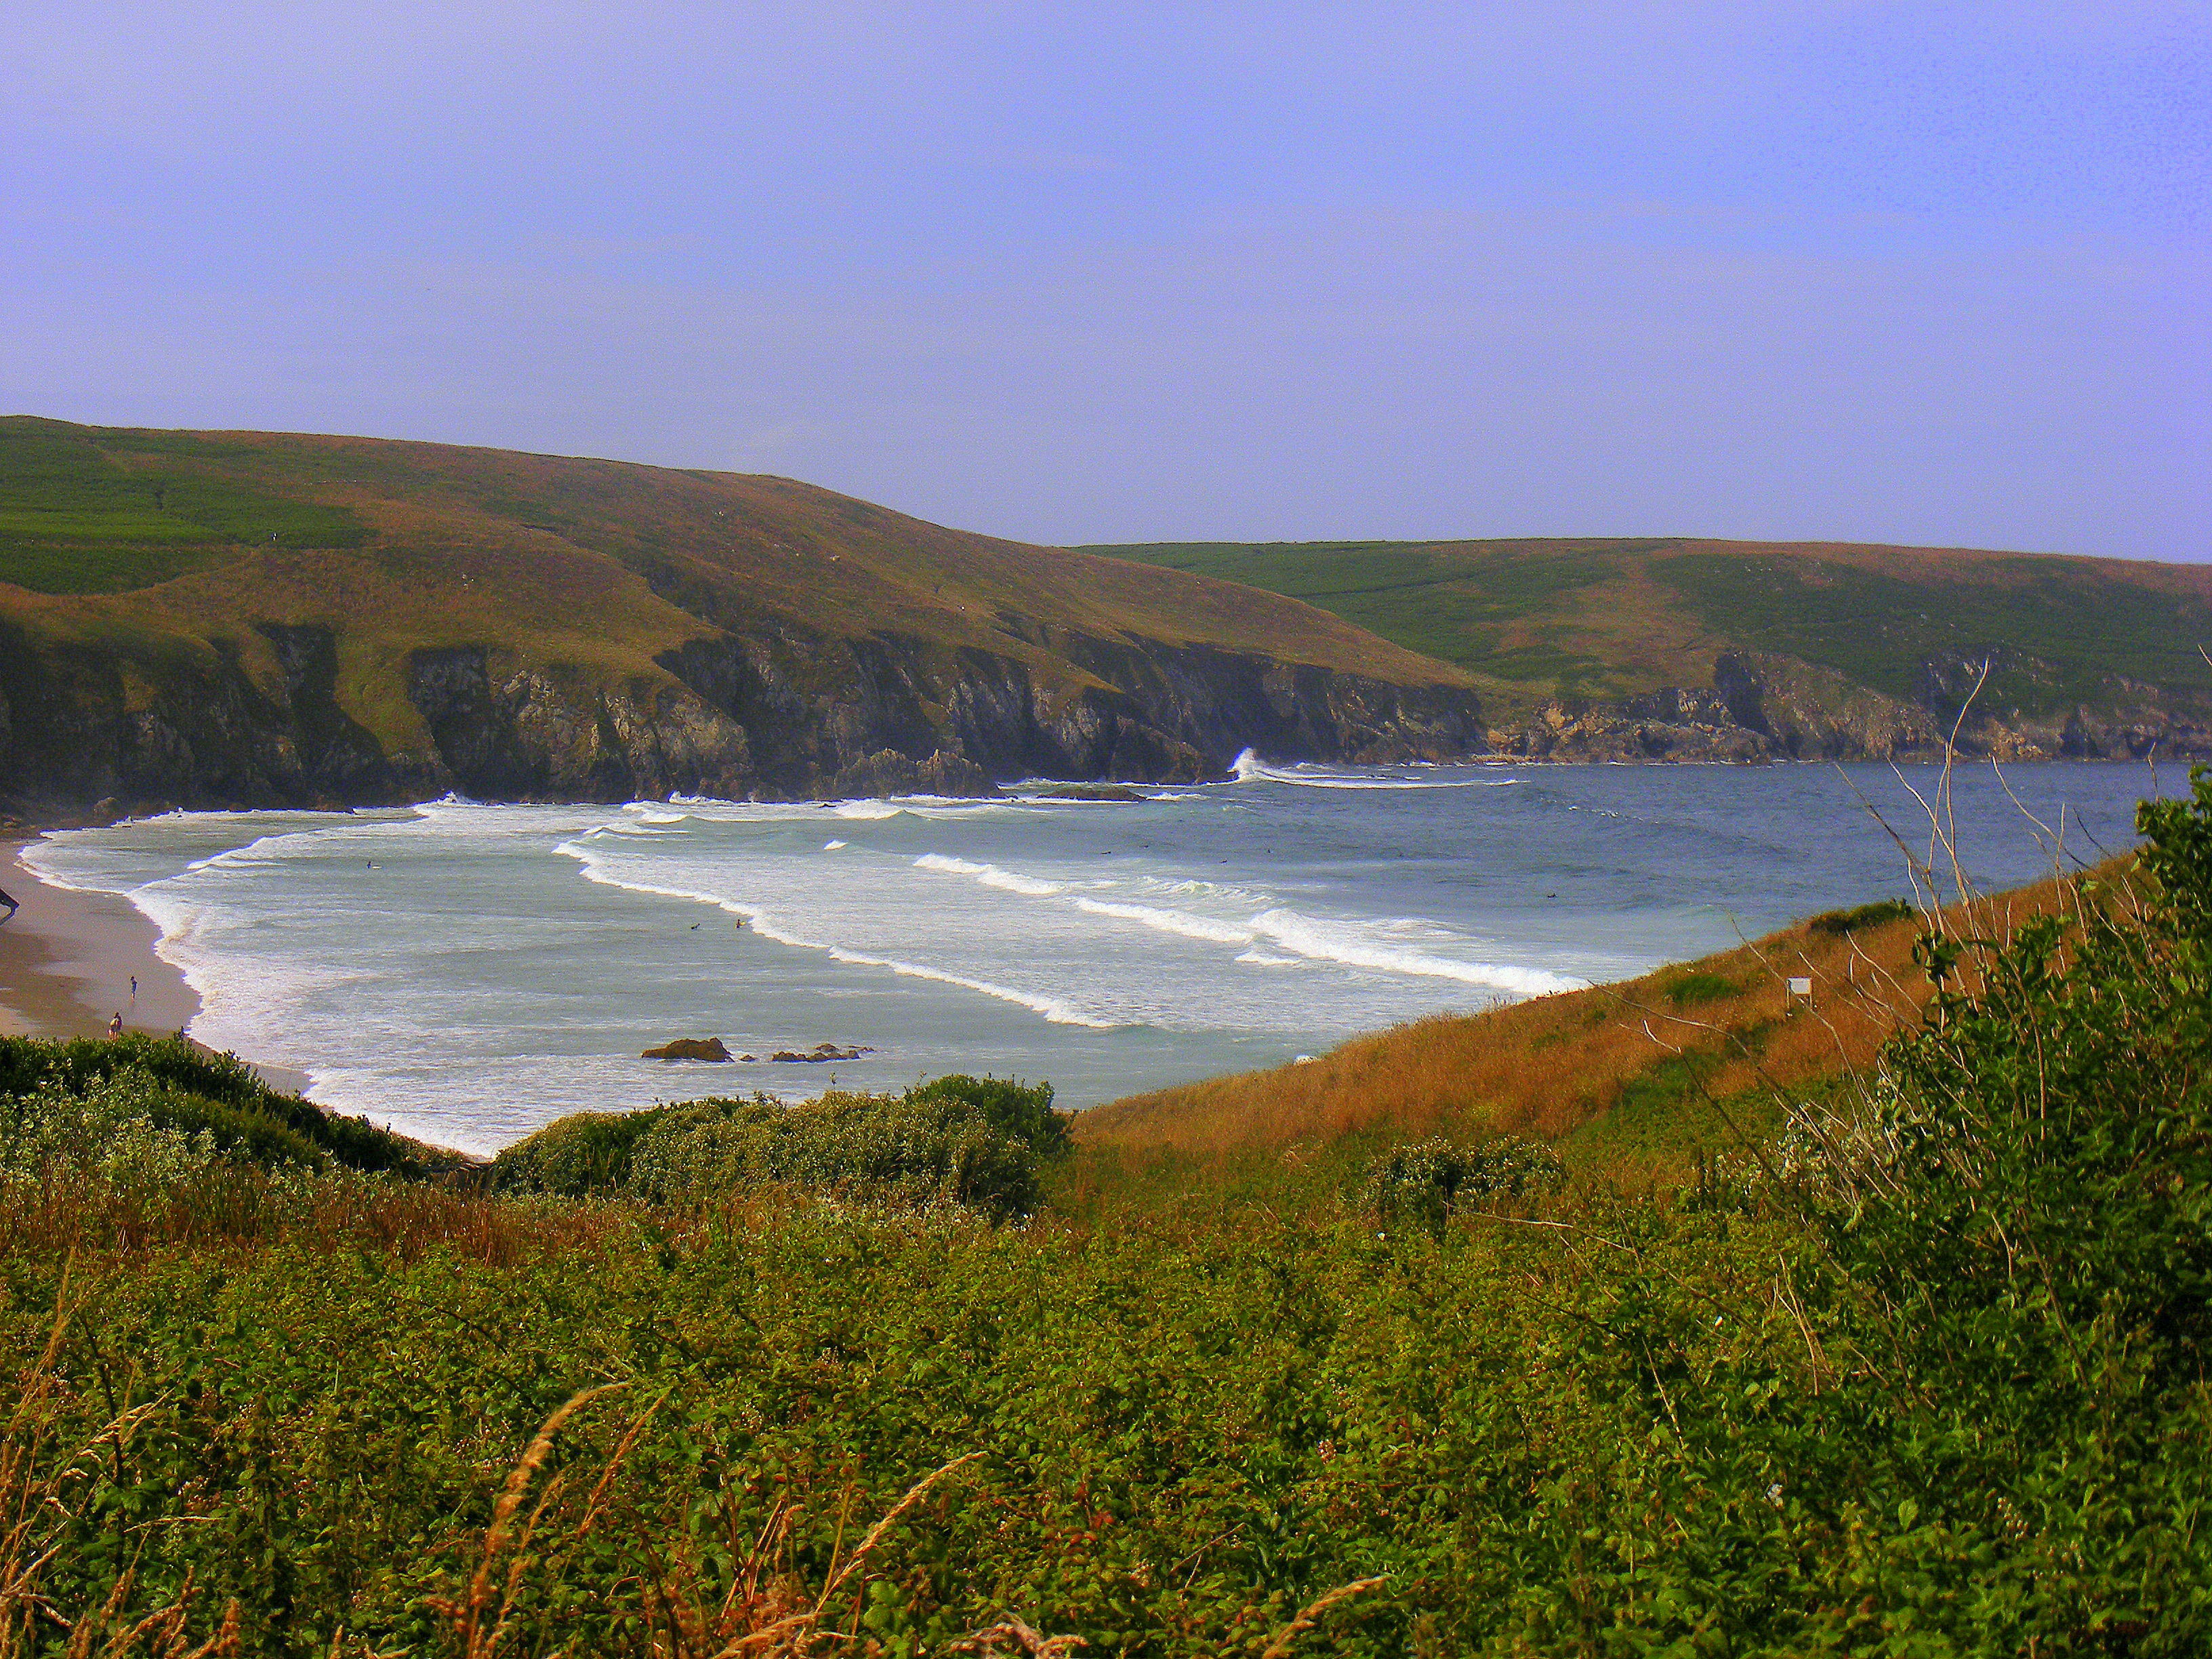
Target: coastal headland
{"points": [[213, 619]]}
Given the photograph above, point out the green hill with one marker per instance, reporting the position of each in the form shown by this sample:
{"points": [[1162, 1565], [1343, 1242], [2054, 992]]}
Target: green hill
{"points": [[1781, 648], [208, 618]]}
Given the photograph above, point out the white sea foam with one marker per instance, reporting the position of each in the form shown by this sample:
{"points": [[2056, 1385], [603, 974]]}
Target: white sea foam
{"points": [[1169, 922], [1058, 1010], [989, 875], [1250, 768], [1323, 942]]}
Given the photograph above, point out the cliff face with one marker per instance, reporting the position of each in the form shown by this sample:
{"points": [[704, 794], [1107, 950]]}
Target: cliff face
{"points": [[1613, 649], [1763, 707], [785, 716], [777, 717], [372, 622]]}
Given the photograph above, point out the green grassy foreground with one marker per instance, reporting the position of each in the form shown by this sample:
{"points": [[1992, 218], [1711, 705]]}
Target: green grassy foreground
{"points": [[1922, 1375]]}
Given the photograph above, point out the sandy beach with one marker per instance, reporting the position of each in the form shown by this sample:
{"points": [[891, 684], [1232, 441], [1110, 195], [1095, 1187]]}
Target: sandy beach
{"points": [[67, 960]]}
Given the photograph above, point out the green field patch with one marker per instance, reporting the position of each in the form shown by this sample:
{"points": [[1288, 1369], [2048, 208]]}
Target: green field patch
{"points": [[1688, 990], [1450, 602], [2058, 637], [74, 520]]}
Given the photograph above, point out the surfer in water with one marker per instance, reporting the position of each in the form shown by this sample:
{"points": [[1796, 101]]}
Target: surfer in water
{"points": [[12, 907]]}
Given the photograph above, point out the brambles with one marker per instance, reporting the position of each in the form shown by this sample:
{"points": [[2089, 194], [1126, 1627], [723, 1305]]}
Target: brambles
{"points": [[1426, 1183], [975, 1142]]}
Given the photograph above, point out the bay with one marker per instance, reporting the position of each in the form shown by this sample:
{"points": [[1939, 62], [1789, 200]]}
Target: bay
{"points": [[467, 973]]}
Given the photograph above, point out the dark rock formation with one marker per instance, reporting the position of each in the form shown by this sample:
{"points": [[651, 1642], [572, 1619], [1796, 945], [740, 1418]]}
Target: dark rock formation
{"points": [[1117, 793], [769, 715], [689, 1049], [774, 714], [819, 1055]]}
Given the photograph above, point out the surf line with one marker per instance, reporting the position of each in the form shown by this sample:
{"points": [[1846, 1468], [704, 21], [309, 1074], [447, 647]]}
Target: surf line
{"points": [[1054, 1010], [1248, 768], [1311, 940]]}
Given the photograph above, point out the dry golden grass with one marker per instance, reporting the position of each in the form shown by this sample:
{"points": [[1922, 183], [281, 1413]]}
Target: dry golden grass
{"points": [[1553, 1065], [248, 1208]]}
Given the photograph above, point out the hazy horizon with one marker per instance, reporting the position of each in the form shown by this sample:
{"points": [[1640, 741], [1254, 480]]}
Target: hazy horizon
{"points": [[1932, 276]]}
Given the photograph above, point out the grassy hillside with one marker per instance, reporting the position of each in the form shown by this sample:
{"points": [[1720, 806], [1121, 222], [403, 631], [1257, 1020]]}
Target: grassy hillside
{"points": [[1539, 620], [1920, 1374], [184, 537], [1634, 1081]]}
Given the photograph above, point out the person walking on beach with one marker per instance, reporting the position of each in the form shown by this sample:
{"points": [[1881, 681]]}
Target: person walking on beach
{"points": [[115, 1026]]}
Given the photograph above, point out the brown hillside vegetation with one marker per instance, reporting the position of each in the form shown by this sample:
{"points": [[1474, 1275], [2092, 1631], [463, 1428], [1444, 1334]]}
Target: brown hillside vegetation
{"points": [[220, 617], [607, 563], [1632, 1078]]}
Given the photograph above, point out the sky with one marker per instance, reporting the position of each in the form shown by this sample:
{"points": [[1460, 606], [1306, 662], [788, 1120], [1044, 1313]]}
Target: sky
{"points": [[1932, 273]]}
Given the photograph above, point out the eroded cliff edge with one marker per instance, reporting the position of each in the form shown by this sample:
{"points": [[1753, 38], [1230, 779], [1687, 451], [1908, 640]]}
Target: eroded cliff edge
{"points": [[786, 716], [225, 619]]}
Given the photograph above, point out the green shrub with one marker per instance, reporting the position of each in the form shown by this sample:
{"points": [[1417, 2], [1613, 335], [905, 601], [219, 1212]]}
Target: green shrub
{"points": [[219, 1094], [583, 1153], [978, 1143], [109, 1132], [1422, 1183], [1838, 923], [912, 1150], [1013, 1108]]}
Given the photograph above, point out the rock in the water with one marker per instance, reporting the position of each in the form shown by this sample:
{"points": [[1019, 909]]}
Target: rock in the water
{"points": [[689, 1049], [823, 1051], [887, 772], [1116, 791]]}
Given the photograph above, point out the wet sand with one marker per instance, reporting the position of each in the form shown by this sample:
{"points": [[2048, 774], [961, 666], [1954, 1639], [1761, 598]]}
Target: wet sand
{"points": [[67, 958]]}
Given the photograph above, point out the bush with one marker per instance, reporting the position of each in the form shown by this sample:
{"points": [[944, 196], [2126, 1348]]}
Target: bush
{"points": [[1838, 923], [583, 1153], [1011, 1109], [1688, 990], [219, 1094], [108, 1133], [977, 1143], [1423, 1183], [909, 1151]]}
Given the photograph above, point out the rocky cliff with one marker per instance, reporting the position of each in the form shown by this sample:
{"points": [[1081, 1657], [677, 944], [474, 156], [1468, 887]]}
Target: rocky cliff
{"points": [[535, 628], [1674, 649], [775, 717], [1766, 708], [205, 619]]}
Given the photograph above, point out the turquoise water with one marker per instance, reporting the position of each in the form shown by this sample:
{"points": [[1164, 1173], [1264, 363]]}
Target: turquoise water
{"points": [[467, 973]]}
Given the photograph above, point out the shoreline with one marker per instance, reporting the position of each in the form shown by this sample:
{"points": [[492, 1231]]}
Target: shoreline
{"points": [[67, 958]]}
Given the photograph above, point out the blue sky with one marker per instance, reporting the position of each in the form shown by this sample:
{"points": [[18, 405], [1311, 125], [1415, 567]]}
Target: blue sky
{"points": [[1933, 273]]}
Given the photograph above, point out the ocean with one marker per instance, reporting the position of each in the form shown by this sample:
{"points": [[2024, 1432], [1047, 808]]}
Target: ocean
{"points": [[467, 973]]}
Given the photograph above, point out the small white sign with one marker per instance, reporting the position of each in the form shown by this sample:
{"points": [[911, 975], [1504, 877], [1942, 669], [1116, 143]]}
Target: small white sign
{"points": [[1800, 987]]}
